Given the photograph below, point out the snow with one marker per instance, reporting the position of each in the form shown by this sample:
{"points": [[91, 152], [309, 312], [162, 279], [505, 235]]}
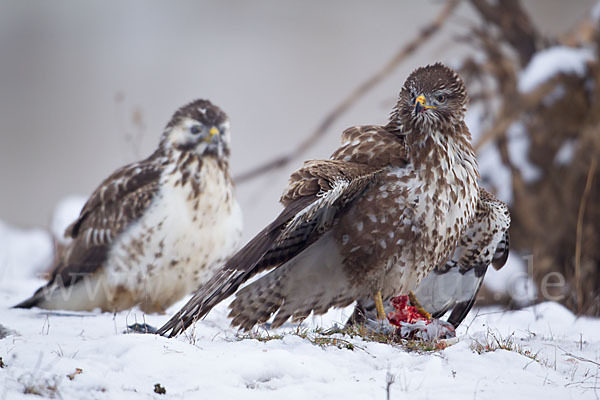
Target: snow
{"points": [[46, 348], [65, 212], [513, 279], [496, 176], [518, 151], [550, 62], [564, 155], [23, 253], [214, 364]]}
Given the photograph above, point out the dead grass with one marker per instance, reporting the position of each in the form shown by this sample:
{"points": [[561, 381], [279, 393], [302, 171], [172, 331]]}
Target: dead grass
{"points": [[495, 341], [348, 338], [44, 387]]}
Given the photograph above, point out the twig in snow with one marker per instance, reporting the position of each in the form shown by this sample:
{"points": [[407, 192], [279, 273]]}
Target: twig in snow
{"points": [[389, 381], [580, 358]]}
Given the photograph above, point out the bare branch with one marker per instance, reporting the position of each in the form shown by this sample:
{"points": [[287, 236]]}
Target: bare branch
{"points": [[424, 35], [580, 358], [584, 197]]}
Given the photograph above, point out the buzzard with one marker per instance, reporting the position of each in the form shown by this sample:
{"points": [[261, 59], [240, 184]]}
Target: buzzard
{"points": [[455, 284], [154, 230], [373, 220]]}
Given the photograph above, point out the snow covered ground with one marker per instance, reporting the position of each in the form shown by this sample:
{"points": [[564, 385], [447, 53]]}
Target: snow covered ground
{"points": [[551, 354]]}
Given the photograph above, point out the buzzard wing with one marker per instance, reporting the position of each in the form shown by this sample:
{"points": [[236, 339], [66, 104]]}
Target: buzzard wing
{"points": [[316, 195], [118, 202], [456, 284], [470, 285]]}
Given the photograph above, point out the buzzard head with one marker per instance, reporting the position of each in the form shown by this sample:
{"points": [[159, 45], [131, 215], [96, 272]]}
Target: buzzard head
{"points": [[199, 127], [433, 99]]}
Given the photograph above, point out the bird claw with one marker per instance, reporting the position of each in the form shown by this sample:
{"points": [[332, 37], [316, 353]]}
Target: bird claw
{"points": [[381, 315]]}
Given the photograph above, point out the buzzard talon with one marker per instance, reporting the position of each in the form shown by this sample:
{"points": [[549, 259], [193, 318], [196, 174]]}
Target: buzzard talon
{"points": [[381, 315], [415, 302]]}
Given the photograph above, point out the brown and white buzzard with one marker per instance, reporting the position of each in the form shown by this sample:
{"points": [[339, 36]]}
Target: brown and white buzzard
{"points": [[455, 284], [154, 230], [386, 208]]}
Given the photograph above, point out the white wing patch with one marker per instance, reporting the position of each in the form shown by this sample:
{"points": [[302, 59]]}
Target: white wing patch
{"points": [[321, 210]]}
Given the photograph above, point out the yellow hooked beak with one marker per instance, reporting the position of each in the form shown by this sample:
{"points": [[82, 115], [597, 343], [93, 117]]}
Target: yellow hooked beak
{"points": [[212, 132], [421, 104]]}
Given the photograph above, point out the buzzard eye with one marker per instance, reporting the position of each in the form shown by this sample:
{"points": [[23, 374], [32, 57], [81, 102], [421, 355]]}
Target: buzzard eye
{"points": [[195, 129], [440, 98]]}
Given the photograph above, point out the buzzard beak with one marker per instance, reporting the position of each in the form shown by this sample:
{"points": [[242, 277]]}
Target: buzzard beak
{"points": [[211, 134], [421, 105]]}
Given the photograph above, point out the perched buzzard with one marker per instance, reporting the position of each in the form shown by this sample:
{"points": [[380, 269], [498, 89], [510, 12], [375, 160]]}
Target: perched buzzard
{"points": [[154, 230], [455, 284], [373, 220]]}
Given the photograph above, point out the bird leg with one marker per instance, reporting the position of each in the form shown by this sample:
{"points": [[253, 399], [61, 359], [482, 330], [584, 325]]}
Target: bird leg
{"points": [[379, 305], [415, 302]]}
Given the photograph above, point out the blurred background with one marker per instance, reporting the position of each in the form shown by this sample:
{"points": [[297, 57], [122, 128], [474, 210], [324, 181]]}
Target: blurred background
{"points": [[86, 87]]}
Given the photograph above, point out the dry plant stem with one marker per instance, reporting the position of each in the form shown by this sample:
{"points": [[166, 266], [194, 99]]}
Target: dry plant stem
{"points": [[424, 34], [582, 204], [575, 356]]}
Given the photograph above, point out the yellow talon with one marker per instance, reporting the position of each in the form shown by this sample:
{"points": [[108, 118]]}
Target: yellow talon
{"points": [[417, 305], [379, 305]]}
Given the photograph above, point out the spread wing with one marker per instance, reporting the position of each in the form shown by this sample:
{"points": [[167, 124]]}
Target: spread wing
{"points": [[316, 195], [117, 203], [455, 285]]}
